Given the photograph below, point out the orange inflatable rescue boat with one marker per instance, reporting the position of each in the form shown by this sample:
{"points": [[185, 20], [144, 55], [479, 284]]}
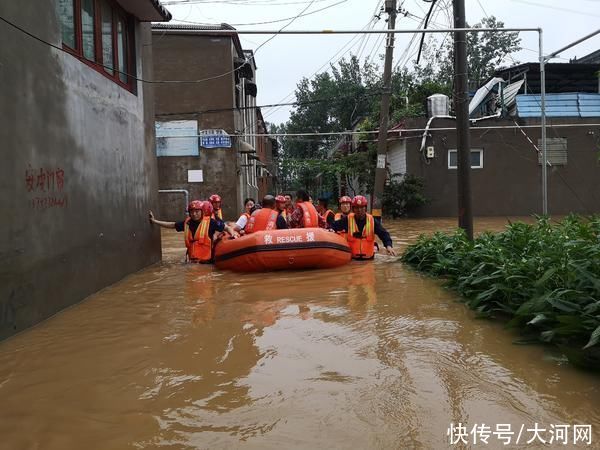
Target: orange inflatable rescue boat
{"points": [[298, 248]]}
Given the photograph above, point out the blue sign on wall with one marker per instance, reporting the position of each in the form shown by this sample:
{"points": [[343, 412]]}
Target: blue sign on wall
{"points": [[214, 139]]}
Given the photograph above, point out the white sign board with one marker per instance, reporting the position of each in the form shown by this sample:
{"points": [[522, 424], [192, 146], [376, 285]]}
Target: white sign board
{"points": [[177, 138], [381, 161], [195, 176]]}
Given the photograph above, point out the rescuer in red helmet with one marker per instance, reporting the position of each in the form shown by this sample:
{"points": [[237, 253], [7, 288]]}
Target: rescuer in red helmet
{"points": [[266, 218], [345, 205], [199, 229], [281, 206], [215, 200], [361, 229]]}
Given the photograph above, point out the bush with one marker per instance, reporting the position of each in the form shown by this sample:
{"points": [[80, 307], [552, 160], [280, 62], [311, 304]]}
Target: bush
{"points": [[403, 197], [545, 278]]}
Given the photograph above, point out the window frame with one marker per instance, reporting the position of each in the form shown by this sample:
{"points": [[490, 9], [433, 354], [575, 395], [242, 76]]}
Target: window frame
{"points": [[473, 150], [98, 63]]}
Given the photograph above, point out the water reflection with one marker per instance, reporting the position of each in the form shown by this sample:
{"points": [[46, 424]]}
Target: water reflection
{"points": [[370, 355]]}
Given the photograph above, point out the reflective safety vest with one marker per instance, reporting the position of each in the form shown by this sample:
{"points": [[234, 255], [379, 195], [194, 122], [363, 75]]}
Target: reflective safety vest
{"points": [[218, 214], [364, 246], [310, 215], [263, 219], [199, 246]]}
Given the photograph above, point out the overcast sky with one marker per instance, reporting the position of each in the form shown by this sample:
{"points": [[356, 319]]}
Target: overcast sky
{"points": [[284, 60]]}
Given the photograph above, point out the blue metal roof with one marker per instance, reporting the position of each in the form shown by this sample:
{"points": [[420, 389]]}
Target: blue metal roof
{"points": [[576, 104]]}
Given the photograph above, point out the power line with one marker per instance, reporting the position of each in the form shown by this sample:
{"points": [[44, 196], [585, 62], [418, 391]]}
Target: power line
{"points": [[269, 21], [404, 130], [357, 36], [273, 105], [236, 2]]}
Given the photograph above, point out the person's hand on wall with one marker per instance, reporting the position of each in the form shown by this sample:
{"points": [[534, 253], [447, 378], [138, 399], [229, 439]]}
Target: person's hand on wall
{"points": [[150, 217]]}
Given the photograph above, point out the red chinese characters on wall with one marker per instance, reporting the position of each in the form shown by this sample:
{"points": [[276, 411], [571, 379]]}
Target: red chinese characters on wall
{"points": [[47, 184]]}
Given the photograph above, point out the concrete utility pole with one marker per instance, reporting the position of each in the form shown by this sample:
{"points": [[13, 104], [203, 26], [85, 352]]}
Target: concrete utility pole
{"points": [[461, 105], [380, 171]]}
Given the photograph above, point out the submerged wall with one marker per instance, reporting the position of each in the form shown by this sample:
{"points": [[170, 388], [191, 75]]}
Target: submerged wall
{"points": [[78, 171]]}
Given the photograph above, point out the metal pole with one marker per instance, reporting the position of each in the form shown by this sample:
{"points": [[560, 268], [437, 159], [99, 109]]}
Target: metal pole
{"points": [[177, 191], [543, 124], [380, 170], [461, 105], [572, 44], [388, 31]]}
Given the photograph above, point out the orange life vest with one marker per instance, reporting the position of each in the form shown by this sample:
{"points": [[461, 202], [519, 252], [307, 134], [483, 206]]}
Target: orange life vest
{"points": [[263, 219], [363, 247], [218, 214], [327, 213], [311, 216], [283, 214], [199, 246]]}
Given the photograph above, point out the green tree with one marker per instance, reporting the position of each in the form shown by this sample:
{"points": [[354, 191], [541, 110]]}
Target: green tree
{"points": [[486, 51]]}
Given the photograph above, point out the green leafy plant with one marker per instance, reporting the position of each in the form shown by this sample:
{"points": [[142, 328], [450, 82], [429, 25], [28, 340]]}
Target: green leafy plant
{"points": [[544, 278], [402, 197]]}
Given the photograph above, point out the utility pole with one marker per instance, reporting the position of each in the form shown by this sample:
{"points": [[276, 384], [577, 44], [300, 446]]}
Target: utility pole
{"points": [[380, 171], [461, 105]]}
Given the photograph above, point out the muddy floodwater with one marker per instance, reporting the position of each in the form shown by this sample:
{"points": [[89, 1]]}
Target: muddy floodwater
{"points": [[367, 356]]}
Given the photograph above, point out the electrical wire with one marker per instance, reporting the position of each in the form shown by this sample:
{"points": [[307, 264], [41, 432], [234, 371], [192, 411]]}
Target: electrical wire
{"points": [[406, 130], [130, 76], [269, 21], [274, 105]]}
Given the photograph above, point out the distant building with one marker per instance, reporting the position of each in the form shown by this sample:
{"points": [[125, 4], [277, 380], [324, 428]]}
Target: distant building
{"points": [[506, 146], [218, 103], [78, 173]]}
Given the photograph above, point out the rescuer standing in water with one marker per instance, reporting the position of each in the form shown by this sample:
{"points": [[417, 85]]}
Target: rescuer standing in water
{"points": [[199, 229], [361, 229]]}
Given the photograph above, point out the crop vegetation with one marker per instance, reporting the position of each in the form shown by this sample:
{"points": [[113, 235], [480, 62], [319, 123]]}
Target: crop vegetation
{"points": [[544, 278]]}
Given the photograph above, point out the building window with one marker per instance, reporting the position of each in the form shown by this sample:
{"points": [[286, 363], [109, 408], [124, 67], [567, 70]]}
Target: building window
{"points": [[556, 151], [107, 38], [66, 9], [101, 34], [476, 159]]}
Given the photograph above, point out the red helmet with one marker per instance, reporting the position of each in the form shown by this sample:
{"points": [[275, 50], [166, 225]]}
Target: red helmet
{"points": [[280, 199], [207, 208], [345, 199], [195, 204], [359, 200], [214, 198]]}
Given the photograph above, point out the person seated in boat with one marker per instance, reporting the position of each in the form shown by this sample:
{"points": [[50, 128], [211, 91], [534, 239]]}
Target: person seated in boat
{"points": [[289, 207], [266, 218], [361, 228], [305, 214], [344, 207], [280, 206], [199, 229], [325, 212], [215, 201], [243, 220]]}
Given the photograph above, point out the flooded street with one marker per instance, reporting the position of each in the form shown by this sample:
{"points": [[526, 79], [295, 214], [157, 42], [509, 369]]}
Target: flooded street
{"points": [[369, 355]]}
